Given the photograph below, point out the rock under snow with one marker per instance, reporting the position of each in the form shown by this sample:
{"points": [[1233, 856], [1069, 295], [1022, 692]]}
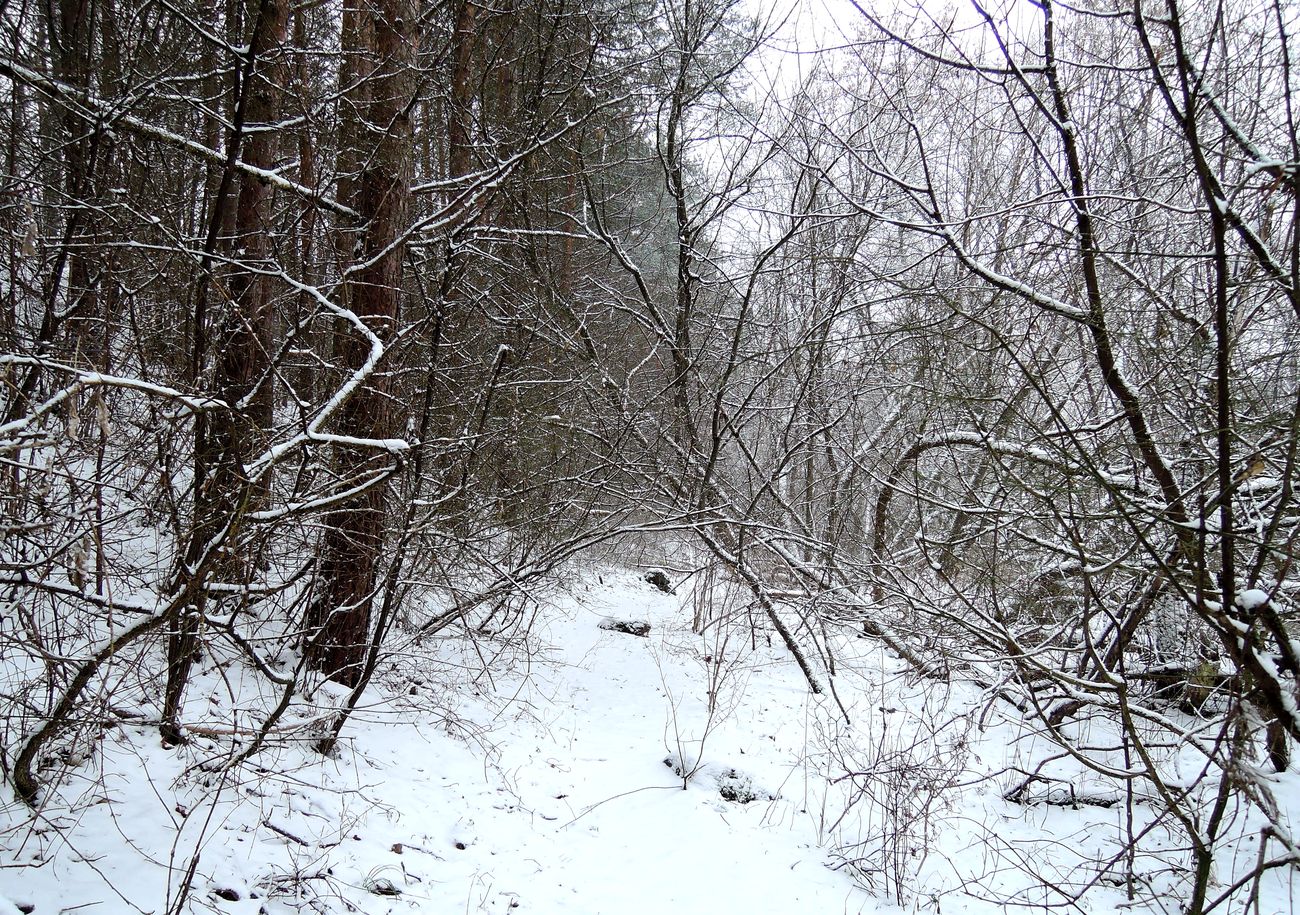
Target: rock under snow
{"points": [[659, 578], [631, 627]]}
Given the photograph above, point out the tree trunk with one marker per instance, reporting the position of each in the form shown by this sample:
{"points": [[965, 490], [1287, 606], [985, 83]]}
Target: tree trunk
{"points": [[246, 339], [224, 441], [380, 181], [70, 29], [460, 115]]}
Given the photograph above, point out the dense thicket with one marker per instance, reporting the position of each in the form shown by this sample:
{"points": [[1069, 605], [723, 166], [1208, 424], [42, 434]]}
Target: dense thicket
{"points": [[320, 320]]}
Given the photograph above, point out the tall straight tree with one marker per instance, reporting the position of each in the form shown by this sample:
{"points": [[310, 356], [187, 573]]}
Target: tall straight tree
{"points": [[223, 442], [69, 26], [377, 153]]}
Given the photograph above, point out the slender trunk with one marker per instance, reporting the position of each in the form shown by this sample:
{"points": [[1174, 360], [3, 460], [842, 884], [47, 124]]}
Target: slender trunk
{"points": [[70, 30], [460, 112], [674, 163], [220, 493]]}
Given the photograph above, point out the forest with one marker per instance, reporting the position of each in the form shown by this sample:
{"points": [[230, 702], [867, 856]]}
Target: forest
{"points": [[941, 352]]}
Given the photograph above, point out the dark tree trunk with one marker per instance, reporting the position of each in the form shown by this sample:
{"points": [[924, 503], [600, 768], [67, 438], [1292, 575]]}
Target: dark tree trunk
{"points": [[70, 29], [460, 115], [247, 338], [224, 441], [380, 182]]}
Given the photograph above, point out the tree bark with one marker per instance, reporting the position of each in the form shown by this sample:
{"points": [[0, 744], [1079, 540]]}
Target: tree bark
{"points": [[380, 180], [223, 442], [460, 115]]}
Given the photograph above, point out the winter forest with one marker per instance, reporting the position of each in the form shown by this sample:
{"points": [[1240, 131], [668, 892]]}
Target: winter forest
{"points": [[688, 456]]}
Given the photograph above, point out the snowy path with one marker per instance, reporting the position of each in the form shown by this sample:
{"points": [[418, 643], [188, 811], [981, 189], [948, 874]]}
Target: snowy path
{"points": [[543, 791], [591, 820]]}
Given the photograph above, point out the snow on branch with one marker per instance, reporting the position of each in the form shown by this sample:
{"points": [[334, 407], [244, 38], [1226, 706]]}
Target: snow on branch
{"points": [[106, 114], [83, 380], [313, 432]]}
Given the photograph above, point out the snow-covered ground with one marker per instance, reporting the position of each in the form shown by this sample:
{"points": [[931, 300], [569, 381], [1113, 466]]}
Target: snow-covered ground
{"points": [[536, 782], [536, 771]]}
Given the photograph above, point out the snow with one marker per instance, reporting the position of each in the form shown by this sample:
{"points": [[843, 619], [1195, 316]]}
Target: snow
{"points": [[550, 780], [547, 794], [1252, 599]]}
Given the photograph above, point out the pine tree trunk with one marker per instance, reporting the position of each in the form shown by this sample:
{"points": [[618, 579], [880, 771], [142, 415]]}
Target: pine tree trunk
{"points": [[459, 120], [380, 182]]}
